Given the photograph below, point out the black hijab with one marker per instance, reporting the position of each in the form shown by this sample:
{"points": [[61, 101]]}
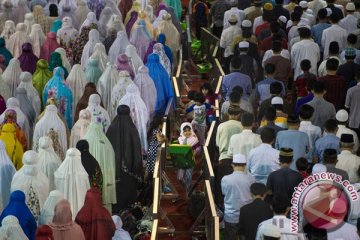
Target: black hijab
{"points": [[90, 164], [125, 140]]}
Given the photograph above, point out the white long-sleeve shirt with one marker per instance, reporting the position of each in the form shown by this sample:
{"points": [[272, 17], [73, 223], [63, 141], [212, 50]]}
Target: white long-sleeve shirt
{"points": [[333, 33], [240, 15], [227, 37], [305, 49]]}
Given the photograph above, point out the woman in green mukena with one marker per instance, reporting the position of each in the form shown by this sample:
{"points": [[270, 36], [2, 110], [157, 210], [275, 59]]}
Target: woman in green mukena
{"points": [[41, 76]]}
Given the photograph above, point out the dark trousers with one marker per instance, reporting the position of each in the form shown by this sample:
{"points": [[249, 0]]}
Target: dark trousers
{"points": [[227, 61], [231, 231], [217, 31], [222, 169]]}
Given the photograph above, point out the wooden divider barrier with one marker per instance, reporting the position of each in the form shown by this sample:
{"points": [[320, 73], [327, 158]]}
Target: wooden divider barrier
{"points": [[211, 217], [154, 230]]}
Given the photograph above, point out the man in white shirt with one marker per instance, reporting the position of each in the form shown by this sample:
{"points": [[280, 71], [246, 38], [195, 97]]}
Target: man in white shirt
{"points": [[264, 159], [333, 53], [236, 190], [342, 117], [349, 23], [316, 5], [333, 33], [246, 140], [348, 161], [280, 208], [314, 132], [239, 14], [223, 134], [307, 14], [305, 49], [226, 40]]}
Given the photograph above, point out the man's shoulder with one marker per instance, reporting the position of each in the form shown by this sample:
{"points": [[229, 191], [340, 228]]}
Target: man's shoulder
{"points": [[355, 88]]}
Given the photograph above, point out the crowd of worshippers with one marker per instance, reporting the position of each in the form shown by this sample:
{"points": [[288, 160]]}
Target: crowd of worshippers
{"points": [[291, 108], [83, 88]]}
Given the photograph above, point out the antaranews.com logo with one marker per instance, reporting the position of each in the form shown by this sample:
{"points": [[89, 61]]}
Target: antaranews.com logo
{"points": [[322, 200]]}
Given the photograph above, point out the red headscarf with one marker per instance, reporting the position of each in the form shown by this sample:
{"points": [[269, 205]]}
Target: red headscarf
{"points": [[49, 46], [94, 219], [44, 232]]}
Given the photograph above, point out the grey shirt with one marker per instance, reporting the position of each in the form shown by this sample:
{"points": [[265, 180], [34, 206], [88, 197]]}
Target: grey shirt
{"points": [[353, 103], [323, 111]]}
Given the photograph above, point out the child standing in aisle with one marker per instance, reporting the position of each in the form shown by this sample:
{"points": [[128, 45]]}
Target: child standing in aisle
{"points": [[199, 121], [187, 137]]}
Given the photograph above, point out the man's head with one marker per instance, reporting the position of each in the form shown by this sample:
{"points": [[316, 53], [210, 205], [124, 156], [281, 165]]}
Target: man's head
{"points": [[330, 156], [319, 88], [295, 17], [342, 117], [274, 27], [236, 64], [280, 205], [302, 164], [347, 141], [270, 114], [331, 126], [234, 112], [269, 69], [276, 88], [239, 161], [244, 46], [279, 2], [276, 47], [351, 39], [305, 65], [235, 96], [286, 156], [267, 15], [306, 112], [304, 32], [258, 190], [246, 25], [267, 135], [332, 66], [334, 18], [233, 20], [299, 10], [334, 48], [350, 8], [350, 54], [322, 14], [293, 121], [247, 120]]}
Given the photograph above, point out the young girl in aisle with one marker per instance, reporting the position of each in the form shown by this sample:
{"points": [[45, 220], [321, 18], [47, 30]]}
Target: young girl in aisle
{"points": [[155, 140], [210, 98], [188, 137]]}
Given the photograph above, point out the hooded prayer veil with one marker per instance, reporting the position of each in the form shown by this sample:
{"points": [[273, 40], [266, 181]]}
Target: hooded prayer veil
{"points": [[32, 94], [32, 182], [7, 172], [72, 180], [124, 137], [118, 92], [138, 112], [48, 161], [103, 152], [147, 89], [50, 121], [47, 212], [106, 83]]}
